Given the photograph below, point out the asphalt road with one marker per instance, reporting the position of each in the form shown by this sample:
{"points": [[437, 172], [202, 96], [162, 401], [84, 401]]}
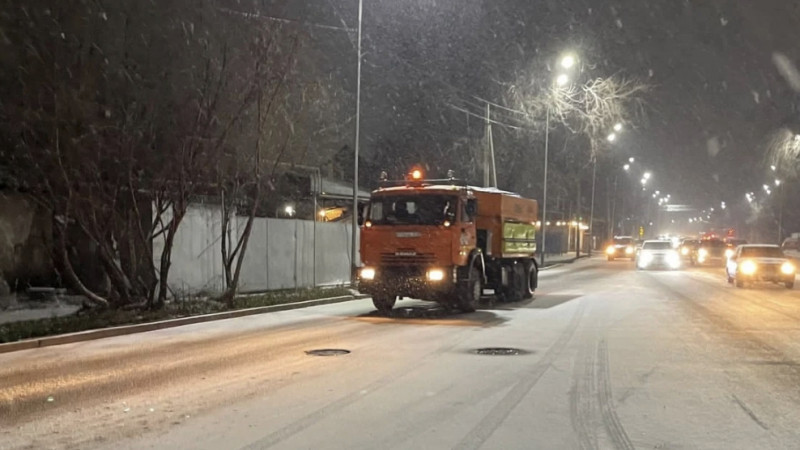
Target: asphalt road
{"points": [[610, 358]]}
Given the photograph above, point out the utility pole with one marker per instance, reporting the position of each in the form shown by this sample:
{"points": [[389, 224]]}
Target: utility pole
{"points": [[591, 210], [489, 169], [544, 188], [354, 236]]}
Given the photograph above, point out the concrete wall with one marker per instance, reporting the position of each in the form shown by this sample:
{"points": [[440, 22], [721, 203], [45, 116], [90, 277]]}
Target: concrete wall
{"points": [[281, 254]]}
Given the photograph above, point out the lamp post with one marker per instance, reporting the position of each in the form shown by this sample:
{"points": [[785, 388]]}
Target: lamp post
{"points": [[567, 62], [353, 247]]}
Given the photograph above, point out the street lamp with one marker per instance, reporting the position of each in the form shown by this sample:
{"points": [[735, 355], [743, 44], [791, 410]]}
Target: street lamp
{"points": [[618, 127], [567, 62], [353, 247], [612, 137], [626, 167]]}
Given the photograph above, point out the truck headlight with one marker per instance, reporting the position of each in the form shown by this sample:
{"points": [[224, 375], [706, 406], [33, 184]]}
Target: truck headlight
{"points": [[628, 250], [748, 268], [435, 275], [610, 250], [367, 273], [787, 268]]}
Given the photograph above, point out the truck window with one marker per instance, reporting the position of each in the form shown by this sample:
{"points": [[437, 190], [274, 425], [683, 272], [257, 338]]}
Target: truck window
{"points": [[413, 209]]}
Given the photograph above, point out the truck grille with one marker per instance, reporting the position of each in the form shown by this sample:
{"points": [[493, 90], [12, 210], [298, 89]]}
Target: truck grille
{"points": [[402, 258]]}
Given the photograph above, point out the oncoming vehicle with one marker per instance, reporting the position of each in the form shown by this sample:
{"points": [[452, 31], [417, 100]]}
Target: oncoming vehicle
{"points": [[621, 247], [688, 249], [791, 247], [441, 241], [753, 263], [711, 251], [658, 254]]}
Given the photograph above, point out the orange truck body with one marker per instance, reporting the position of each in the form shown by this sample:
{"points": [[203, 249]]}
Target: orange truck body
{"points": [[465, 232]]}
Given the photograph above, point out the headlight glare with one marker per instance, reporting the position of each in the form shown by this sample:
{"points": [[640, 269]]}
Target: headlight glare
{"points": [[628, 250], [685, 251], [787, 268], [367, 273], [435, 275], [748, 268], [610, 250]]}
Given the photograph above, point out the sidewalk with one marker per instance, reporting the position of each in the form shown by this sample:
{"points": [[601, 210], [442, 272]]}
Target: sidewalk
{"points": [[563, 258]]}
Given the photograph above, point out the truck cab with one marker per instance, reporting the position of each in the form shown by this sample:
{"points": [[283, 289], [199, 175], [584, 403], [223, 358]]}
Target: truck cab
{"points": [[427, 239]]}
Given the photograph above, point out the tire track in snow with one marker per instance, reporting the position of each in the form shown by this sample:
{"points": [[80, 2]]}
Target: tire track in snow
{"points": [[475, 438]]}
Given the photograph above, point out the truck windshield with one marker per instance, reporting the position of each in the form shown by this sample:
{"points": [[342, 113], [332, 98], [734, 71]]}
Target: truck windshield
{"points": [[413, 209]]}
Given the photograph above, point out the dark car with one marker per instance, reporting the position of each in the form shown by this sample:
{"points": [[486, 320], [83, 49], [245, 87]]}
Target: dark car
{"points": [[753, 263], [621, 247], [711, 252], [688, 249]]}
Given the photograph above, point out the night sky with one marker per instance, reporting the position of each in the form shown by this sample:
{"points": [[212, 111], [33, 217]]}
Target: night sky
{"points": [[716, 93]]}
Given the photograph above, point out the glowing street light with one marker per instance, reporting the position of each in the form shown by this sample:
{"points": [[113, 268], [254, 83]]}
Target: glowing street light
{"points": [[612, 137], [626, 167], [568, 61], [631, 160], [647, 175], [773, 168], [618, 127], [777, 182], [562, 80]]}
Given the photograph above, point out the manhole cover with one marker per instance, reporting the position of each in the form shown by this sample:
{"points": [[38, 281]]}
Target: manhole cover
{"points": [[328, 352], [499, 351]]}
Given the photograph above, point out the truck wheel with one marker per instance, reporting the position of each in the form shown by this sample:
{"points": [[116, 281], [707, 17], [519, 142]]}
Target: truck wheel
{"points": [[384, 302], [470, 292], [515, 290], [531, 279]]}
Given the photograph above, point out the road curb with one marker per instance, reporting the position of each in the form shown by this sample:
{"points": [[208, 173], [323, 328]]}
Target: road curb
{"points": [[563, 262], [160, 325]]}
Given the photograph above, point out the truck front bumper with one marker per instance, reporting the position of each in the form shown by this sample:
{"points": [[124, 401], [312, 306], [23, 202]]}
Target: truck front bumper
{"points": [[424, 283]]}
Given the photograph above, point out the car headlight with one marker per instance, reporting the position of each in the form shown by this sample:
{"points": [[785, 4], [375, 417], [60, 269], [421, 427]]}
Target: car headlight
{"points": [[787, 268], [645, 259], [729, 252], [367, 273], [435, 275], [685, 251], [703, 252], [674, 259], [748, 268], [610, 250], [628, 250]]}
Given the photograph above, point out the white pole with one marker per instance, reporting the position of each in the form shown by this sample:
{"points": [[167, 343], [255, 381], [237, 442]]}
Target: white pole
{"points": [[591, 211], [491, 145], [544, 193], [355, 153]]}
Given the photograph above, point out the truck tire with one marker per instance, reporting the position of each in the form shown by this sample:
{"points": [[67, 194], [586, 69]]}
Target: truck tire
{"points": [[515, 291], [470, 292], [531, 279], [384, 302]]}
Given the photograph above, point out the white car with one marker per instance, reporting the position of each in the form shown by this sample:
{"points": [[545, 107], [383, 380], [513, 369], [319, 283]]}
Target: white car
{"points": [[760, 263], [655, 254]]}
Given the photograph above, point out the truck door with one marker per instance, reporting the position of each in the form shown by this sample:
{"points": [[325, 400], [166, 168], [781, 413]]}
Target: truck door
{"points": [[466, 238]]}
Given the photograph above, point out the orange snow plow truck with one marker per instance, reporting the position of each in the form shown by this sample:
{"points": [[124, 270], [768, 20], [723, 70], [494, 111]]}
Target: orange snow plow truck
{"points": [[443, 241]]}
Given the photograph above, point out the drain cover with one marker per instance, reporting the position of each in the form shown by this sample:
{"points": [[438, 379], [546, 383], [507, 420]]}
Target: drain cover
{"points": [[328, 352], [499, 351]]}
